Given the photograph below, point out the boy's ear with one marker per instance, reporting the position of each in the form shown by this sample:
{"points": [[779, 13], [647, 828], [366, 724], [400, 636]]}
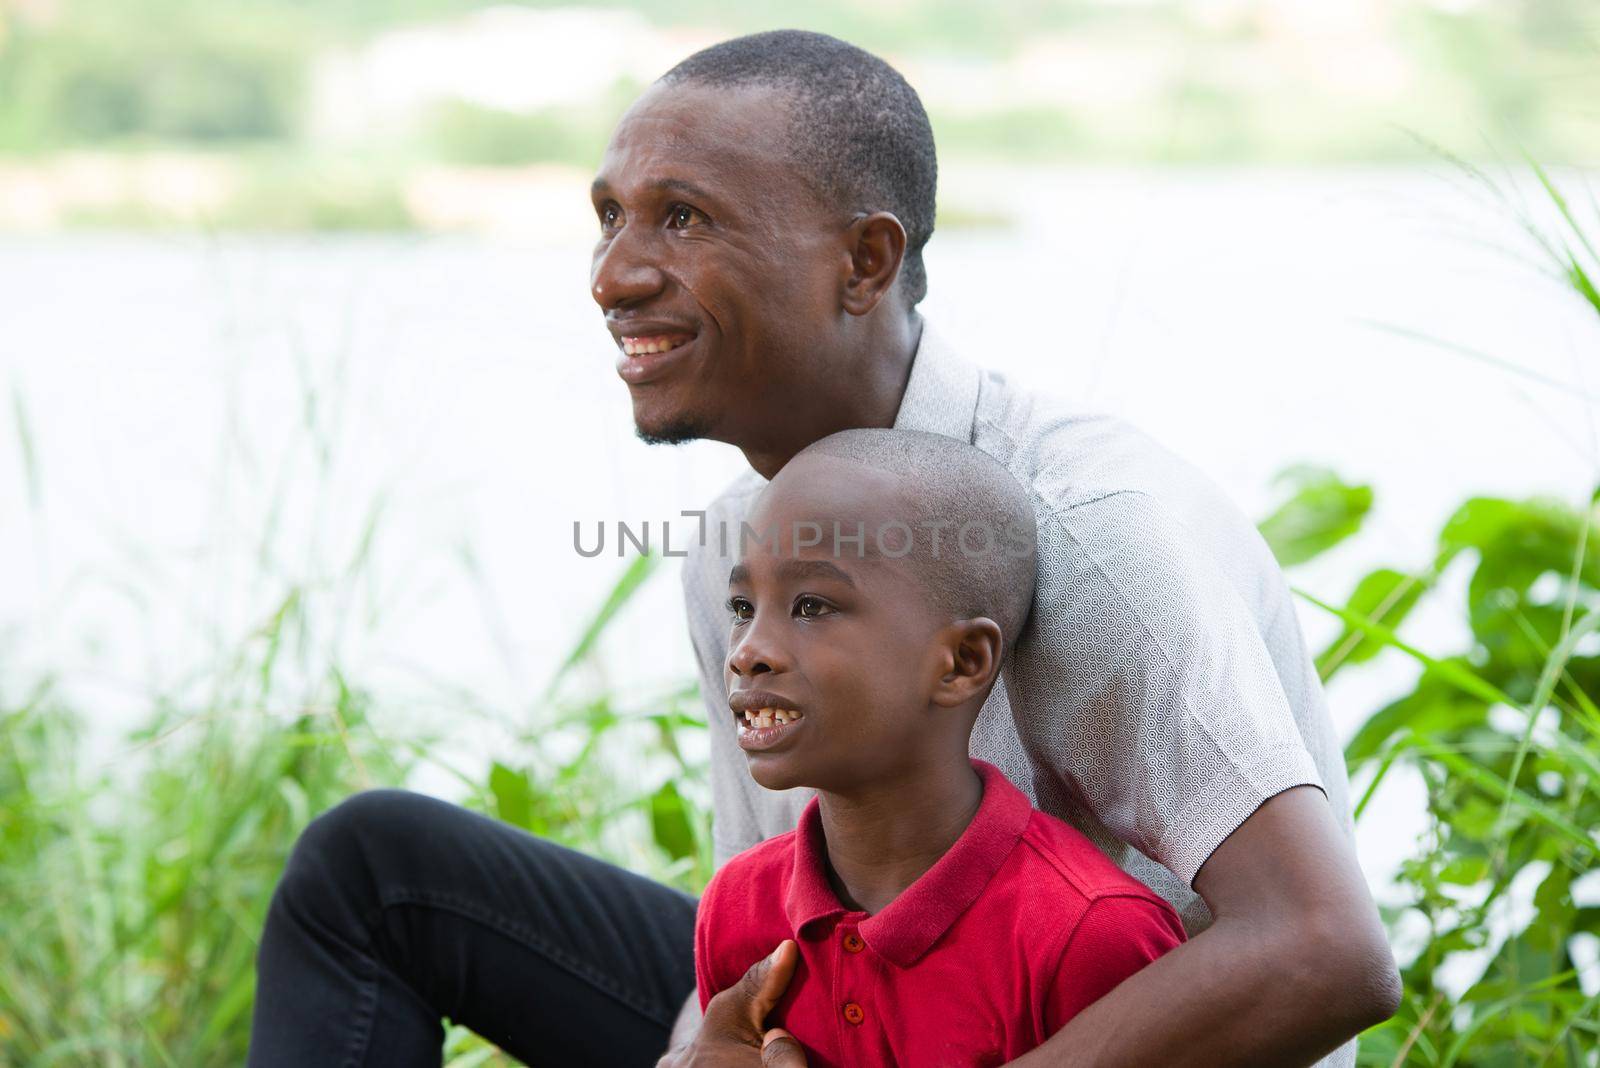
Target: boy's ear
{"points": [[973, 648]]}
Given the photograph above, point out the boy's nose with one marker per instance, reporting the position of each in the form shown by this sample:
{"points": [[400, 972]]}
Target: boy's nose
{"points": [[742, 661], [753, 654]]}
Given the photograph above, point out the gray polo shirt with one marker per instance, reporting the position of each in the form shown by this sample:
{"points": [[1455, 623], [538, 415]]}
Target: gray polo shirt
{"points": [[1161, 689]]}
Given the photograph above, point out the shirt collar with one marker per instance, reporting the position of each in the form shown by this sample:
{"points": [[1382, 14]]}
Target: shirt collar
{"points": [[925, 910], [942, 392]]}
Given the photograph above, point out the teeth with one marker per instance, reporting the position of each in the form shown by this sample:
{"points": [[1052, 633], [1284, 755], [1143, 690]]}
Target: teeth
{"points": [[645, 346], [755, 718]]}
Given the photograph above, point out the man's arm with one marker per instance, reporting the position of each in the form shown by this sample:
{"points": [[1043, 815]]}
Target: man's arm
{"points": [[1295, 964]]}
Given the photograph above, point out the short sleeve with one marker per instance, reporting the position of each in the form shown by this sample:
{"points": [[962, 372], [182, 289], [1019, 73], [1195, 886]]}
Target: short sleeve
{"points": [[1115, 938], [1144, 681]]}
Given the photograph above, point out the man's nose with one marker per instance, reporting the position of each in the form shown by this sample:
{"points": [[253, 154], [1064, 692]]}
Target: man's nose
{"points": [[626, 272]]}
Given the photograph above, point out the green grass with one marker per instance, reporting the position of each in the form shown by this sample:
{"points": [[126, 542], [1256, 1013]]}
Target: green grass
{"points": [[132, 894]]}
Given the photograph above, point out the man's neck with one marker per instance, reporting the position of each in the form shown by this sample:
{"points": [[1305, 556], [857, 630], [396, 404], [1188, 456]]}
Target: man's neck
{"points": [[881, 840], [862, 389]]}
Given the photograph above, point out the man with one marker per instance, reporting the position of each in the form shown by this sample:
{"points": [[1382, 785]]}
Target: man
{"points": [[763, 210]]}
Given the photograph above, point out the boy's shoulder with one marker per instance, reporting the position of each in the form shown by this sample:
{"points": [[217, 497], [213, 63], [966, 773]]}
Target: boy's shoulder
{"points": [[1066, 867], [765, 866]]}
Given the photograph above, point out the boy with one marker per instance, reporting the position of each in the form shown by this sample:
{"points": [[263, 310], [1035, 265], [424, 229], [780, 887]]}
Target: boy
{"points": [[938, 919]]}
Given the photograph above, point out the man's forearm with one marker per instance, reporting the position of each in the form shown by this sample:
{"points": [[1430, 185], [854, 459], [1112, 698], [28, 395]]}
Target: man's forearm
{"points": [[1228, 997], [1296, 963]]}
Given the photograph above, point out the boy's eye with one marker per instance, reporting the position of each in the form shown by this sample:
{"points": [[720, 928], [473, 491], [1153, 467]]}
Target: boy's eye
{"points": [[811, 607], [683, 215], [740, 608]]}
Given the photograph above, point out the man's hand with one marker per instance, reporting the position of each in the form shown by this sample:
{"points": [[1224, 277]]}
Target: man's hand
{"points": [[732, 1033]]}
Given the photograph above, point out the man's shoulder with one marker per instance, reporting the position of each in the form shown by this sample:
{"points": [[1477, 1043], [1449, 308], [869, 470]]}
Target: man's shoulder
{"points": [[1073, 456], [1109, 494]]}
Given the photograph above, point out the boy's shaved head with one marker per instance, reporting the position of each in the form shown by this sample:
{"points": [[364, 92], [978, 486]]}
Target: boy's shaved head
{"points": [[973, 532], [870, 615]]}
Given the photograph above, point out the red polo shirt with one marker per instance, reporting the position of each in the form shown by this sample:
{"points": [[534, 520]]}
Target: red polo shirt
{"points": [[1009, 935]]}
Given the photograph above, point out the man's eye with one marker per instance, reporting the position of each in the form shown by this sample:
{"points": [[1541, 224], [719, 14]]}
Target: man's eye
{"points": [[609, 216], [811, 607], [683, 215]]}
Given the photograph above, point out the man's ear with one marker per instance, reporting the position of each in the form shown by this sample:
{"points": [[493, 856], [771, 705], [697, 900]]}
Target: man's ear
{"points": [[877, 245], [973, 648]]}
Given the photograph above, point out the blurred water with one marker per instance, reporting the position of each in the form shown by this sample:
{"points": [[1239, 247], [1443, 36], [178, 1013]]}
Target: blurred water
{"points": [[461, 391]]}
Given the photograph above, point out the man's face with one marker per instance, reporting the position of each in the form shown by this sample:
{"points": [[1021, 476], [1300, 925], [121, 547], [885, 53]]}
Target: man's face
{"points": [[845, 647], [717, 266]]}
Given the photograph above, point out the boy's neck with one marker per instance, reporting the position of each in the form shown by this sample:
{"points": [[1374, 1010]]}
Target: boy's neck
{"points": [[882, 838]]}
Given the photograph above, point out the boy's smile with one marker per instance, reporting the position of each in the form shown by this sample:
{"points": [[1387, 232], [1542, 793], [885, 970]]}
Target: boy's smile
{"points": [[764, 718]]}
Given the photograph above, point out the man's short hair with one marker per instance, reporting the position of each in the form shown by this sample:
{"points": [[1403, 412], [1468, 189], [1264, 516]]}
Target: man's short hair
{"points": [[858, 132], [958, 484]]}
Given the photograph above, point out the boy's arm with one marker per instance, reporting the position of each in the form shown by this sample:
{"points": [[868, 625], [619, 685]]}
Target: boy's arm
{"points": [[1295, 963]]}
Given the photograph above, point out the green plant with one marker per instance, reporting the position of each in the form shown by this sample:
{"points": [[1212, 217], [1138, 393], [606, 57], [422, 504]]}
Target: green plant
{"points": [[132, 895], [1504, 733], [614, 774], [131, 899]]}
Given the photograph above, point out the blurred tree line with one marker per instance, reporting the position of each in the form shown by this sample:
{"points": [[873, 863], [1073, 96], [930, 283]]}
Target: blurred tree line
{"points": [[231, 73]]}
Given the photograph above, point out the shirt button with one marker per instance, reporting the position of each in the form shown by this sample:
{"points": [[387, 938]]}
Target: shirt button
{"points": [[853, 1013], [852, 942]]}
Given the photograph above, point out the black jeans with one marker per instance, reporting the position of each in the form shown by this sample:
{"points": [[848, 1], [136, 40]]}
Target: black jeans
{"points": [[396, 910]]}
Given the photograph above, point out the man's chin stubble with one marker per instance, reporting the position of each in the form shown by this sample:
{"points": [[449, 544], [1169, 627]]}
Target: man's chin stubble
{"points": [[679, 433]]}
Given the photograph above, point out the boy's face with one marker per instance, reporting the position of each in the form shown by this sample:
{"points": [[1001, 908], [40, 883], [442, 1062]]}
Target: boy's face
{"points": [[847, 648]]}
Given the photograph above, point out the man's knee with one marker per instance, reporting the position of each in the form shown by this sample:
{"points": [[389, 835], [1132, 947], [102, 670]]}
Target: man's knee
{"points": [[344, 856]]}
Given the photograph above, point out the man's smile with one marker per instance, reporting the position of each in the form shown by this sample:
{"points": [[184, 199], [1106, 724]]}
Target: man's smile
{"points": [[649, 344], [647, 357]]}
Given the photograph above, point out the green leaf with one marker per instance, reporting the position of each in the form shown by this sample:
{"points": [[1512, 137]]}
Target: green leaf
{"points": [[1436, 707], [1516, 799], [1385, 596], [1452, 671], [1465, 871], [670, 823], [1322, 511], [513, 795]]}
